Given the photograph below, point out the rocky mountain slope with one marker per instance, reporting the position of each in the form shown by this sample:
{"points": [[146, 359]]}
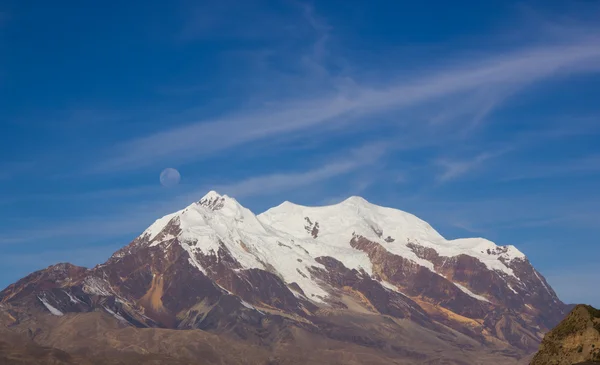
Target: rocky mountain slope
{"points": [[353, 274], [575, 340]]}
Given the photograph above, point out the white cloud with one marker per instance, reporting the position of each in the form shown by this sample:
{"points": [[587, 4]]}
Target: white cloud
{"points": [[273, 183], [453, 169], [496, 76], [278, 182]]}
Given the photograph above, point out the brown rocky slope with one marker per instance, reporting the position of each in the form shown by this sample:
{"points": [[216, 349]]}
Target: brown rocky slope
{"points": [[574, 340]]}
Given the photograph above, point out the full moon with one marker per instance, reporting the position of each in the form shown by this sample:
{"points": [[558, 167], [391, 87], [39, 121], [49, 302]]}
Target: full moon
{"points": [[169, 177]]}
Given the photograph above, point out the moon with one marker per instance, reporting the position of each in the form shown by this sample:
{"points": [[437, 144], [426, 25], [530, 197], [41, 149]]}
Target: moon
{"points": [[169, 177]]}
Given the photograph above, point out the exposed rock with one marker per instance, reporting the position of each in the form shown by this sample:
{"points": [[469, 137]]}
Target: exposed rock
{"points": [[312, 228], [575, 340]]}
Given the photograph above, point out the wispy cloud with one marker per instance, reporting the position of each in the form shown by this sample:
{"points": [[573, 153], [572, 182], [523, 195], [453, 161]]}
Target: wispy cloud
{"points": [[274, 183], [453, 169], [354, 104], [279, 182]]}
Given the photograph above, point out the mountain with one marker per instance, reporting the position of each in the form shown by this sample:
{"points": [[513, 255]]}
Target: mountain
{"points": [[355, 277], [574, 340]]}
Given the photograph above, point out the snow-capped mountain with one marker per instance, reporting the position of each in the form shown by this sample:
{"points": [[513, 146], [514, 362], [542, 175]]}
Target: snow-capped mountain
{"points": [[215, 265], [289, 237]]}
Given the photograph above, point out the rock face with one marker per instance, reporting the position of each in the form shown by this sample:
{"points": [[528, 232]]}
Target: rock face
{"points": [[217, 267], [575, 340]]}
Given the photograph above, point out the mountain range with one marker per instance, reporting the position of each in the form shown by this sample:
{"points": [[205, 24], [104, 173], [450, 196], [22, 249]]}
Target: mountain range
{"points": [[350, 283]]}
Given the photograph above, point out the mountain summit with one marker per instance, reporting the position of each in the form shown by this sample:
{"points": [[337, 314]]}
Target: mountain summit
{"points": [[217, 266]]}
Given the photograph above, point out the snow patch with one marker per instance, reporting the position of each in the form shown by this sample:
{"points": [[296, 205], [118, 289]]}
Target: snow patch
{"points": [[72, 298], [95, 286], [50, 308], [389, 286], [392, 287], [166, 238], [227, 291], [247, 305], [471, 294], [116, 315], [250, 306], [542, 281]]}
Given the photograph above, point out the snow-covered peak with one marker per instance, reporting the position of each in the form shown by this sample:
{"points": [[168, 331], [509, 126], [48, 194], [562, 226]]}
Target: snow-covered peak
{"points": [[356, 200], [215, 211], [211, 195], [212, 209], [354, 214], [392, 228], [215, 201], [225, 205], [290, 237]]}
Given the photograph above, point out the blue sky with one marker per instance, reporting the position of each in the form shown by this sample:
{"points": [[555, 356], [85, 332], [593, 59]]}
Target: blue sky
{"points": [[483, 118]]}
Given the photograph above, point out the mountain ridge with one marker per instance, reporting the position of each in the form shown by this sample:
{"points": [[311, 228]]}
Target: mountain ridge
{"points": [[218, 267]]}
